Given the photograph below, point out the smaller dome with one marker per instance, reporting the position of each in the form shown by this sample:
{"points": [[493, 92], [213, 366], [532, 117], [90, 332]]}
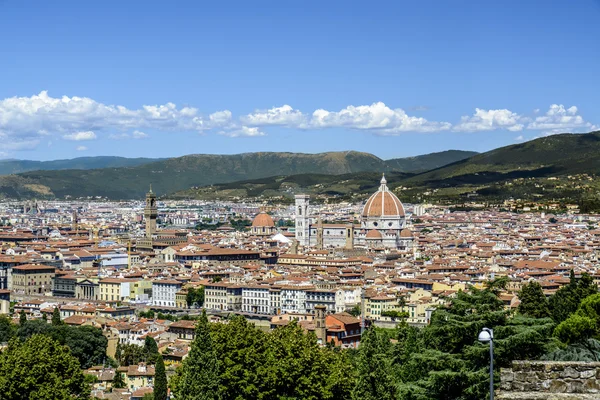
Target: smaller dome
{"points": [[406, 233], [374, 234], [263, 219]]}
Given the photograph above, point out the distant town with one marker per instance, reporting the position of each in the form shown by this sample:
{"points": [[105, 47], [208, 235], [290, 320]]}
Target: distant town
{"points": [[146, 269]]}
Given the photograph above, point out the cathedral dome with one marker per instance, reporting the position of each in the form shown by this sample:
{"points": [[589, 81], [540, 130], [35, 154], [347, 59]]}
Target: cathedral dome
{"points": [[383, 203], [373, 234], [263, 219], [405, 233]]}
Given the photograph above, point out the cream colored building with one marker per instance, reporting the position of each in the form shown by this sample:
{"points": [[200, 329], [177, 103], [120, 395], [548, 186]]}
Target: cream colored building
{"points": [[32, 279]]}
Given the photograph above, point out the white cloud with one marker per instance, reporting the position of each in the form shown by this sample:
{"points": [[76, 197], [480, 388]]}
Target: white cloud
{"points": [[81, 148], [243, 131], [220, 118], [134, 135], [488, 120], [78, 136], [559, 119], [42, 115], [377, 117], [519, 138], [26, 121], [139, 135], [284, 116]]}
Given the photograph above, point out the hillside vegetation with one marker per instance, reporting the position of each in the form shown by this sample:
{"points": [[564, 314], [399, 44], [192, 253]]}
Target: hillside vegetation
{"points": [[175, 174], [16, 166]]}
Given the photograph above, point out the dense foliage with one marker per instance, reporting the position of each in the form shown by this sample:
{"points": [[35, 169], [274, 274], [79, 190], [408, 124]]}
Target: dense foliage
{"points": [[86, 343], [40, 368]]}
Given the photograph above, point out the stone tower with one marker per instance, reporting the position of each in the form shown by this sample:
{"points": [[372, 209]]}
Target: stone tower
{"points": [[150, 213], [302, 219], [320, 326], [74, 221]]}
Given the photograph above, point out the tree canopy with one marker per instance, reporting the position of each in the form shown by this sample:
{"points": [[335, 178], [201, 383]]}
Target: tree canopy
{"points": [[40, 368]]}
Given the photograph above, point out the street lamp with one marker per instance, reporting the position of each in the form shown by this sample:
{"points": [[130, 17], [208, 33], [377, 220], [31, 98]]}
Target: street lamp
{"points": [[487, 335]]}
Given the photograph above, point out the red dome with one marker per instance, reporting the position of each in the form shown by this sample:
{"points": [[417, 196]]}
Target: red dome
{"points": [[373, 234], [263, 219], [383, 203]]}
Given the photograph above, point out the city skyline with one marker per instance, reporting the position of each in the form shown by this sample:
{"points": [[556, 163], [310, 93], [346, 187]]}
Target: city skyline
{"points": [[396, 81]]}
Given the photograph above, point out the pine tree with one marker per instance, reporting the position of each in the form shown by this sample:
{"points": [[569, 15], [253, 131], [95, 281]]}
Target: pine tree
{"points": [[160, 380], [22, 318], [56, 317], [200, 380], [374, 381], [533, 301]]}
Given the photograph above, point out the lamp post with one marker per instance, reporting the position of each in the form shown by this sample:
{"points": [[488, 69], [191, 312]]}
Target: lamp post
{"points": [[487, 335]]}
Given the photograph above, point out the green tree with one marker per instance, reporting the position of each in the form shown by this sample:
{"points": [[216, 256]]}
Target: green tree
{"points": [[200, 380], [56, 317], [533, 301], [355, 311], [567, 299], [118, 382], [40, 368], [373, 368], [195, 297], [160, 380], [241, 354], [150, 349], [7, 329], [22, 318], [575, 329]]}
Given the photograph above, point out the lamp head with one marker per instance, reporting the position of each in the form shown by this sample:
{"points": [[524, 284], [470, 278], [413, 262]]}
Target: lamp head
{"points": [[485, 335]]}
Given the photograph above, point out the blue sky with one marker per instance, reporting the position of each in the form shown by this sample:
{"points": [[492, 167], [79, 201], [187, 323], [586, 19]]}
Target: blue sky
{"points": [[399, 78]]}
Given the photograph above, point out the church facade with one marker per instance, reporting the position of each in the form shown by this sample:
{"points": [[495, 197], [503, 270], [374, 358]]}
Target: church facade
{"points": [[382, 225]]}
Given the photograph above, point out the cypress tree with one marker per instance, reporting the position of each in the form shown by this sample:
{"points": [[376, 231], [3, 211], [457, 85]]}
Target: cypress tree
{"points": [[200, 380], [56, 317], [160, 380], [151, 349], [22, 318]]}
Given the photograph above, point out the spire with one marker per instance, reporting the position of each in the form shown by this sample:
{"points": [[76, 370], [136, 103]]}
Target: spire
{"points": [[150, 189], [383, 186]]}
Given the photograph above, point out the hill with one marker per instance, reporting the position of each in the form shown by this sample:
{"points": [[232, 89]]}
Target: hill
{"points": [[428, 162], [556, 155], [175, 174], [8, 167], [283, 188]]}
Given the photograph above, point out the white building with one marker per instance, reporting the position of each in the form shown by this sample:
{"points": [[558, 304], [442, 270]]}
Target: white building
{"points": [[164, 291], [347, 297], [293, 299], [256, 299]]}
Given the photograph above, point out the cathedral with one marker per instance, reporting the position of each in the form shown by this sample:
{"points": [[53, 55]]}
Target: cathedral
{"points": [[382, 225]]}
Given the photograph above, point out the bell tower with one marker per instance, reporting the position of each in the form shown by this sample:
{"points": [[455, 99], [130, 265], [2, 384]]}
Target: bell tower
{"points": [[150, 213], [302, 219]]}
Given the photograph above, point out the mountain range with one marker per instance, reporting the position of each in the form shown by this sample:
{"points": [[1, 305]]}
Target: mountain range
{"points": [[530, 169], [180, 173]]}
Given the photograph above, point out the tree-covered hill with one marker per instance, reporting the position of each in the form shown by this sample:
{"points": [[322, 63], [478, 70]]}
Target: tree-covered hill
{"points": [[17, 166], [556, 155], [175, 174]]}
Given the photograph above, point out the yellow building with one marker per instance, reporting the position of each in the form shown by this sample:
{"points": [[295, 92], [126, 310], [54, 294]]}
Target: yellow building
{"points": [[140, 290], [137, 376], [377, 304], [181, 298], [115, 289]]}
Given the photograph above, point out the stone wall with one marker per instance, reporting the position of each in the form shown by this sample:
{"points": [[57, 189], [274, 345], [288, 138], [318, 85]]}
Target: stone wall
{"points": [[550, 380]]}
